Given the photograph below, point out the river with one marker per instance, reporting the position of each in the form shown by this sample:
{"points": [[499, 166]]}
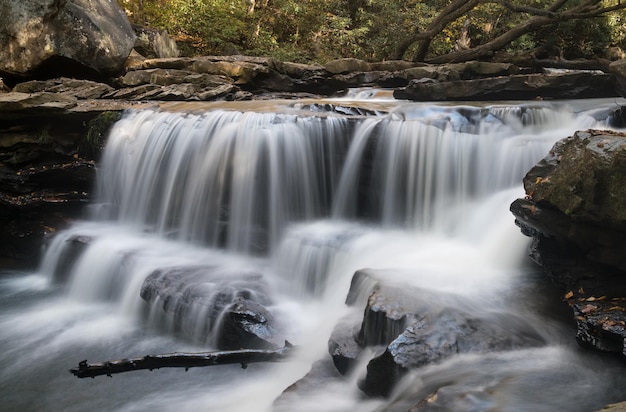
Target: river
{"points": [[302, 194]]}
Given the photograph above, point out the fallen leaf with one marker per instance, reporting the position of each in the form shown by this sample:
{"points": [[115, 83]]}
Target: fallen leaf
{"points": [[588, 308], [569, 295]]}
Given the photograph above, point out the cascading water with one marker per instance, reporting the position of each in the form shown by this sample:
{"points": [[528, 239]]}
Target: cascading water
{"points": [[282, 208]]}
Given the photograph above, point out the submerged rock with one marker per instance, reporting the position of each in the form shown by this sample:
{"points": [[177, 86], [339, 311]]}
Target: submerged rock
{"points": [[225, 307], [416, 327]]}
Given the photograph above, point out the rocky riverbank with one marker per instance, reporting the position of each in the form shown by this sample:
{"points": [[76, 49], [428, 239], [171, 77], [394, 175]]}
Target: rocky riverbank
{"points": [[574, 211]]}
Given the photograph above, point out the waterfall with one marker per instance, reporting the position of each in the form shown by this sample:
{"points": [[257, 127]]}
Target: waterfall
{"points": [[196, 212]]}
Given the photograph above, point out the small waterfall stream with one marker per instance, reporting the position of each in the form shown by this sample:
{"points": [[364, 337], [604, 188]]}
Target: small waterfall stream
{"points": [[283, 208]]}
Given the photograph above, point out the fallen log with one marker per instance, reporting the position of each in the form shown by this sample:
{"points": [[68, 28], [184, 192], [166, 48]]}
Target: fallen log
{"points": [[181, 360]]}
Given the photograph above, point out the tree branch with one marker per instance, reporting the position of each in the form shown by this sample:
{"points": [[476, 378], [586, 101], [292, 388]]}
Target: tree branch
{"points": [[487, 49], [452, 12], [181, 360]]}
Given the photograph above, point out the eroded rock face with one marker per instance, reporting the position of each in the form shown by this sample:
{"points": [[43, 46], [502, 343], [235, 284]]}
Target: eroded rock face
{"points": [[575, 210], [95, 35], [47, 168]]}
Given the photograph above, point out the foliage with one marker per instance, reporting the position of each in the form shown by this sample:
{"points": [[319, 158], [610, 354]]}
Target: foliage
{"points": [[380, 29], [97, 128]]}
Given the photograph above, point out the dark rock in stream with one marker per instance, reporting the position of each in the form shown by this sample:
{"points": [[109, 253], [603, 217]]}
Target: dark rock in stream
{"points": [[225, 307], [416, 327], [76, 245], [575, 210]]}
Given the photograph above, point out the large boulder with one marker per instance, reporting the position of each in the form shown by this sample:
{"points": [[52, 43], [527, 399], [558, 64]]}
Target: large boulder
{"points": [[79, 36], [575, 212]]}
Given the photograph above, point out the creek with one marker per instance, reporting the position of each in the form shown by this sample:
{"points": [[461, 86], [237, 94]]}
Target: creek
{"points": [[302, 194]]}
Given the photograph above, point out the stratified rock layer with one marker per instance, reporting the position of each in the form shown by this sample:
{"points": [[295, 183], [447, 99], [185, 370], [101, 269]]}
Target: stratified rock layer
{"points": [[575, 210]]}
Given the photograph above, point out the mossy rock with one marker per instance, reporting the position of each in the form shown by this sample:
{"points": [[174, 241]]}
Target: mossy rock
{"points": [[584, 177]]}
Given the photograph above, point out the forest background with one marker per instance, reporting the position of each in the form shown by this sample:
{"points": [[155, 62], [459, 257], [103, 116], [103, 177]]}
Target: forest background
{"points": [[437, 31]]}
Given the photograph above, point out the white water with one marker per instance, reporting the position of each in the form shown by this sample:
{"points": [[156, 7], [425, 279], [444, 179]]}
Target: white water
{"points": [[305, 200]]}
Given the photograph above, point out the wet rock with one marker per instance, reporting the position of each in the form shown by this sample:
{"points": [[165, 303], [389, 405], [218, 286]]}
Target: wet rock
{"points": [[601, 323], [342, 345], [225, 307], [440, 333], [246, 324], [48, 147], [75, 247], [416, 327], [615, 407], [34, 34], [386, 315], [574, 210], [580, 183]]}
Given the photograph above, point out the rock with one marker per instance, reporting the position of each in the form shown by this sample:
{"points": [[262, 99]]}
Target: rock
{"points": [[64, 36], [341, 66], [80, 89], [618, 68], [48, 146], [440, 333], [221, 306], [166, 77], [615, 407], [153, 43], [601, 323], [566, 85], [42, 101], [394, 65], [574, 210], [246, 324], [70, 255], [417, 327], [342, 345], [386, 316]]}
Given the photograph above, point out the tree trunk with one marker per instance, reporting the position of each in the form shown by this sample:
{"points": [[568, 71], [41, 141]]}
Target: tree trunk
{"points": [[487, 49]]}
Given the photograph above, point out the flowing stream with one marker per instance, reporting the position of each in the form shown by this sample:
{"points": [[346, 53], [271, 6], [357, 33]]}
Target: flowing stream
{"points": [[301, 194]]}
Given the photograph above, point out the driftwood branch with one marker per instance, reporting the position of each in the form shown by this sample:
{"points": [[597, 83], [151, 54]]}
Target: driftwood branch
{"points": [[181, 360]]}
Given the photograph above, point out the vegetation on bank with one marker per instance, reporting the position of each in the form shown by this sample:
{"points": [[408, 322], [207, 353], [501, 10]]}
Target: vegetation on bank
{"points": [[420, 30]]}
